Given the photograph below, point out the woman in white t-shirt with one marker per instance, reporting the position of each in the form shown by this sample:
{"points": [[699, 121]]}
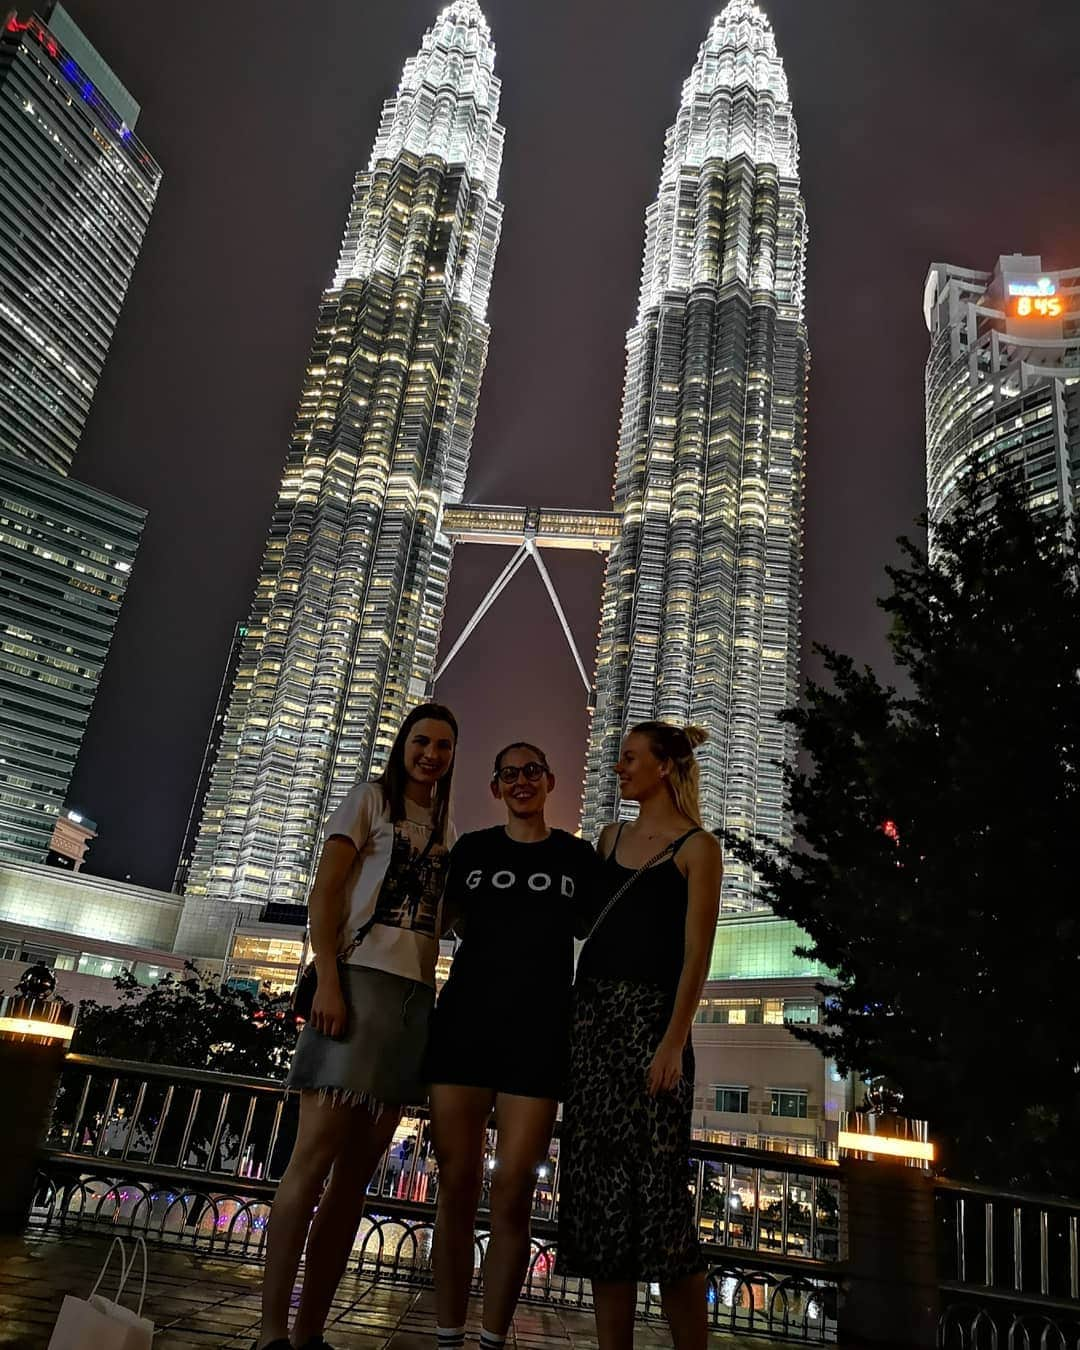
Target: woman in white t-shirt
{"points": [[375, 923]]}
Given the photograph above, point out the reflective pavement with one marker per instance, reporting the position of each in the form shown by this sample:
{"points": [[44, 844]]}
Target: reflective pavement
{"points": [[199, 1302]]}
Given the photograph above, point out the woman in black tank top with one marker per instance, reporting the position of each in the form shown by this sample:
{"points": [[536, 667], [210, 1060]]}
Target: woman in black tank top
{"points": [[625, 1211]]}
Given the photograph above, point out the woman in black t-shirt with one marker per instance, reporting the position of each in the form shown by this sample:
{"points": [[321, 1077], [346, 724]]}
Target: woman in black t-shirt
{"points": [[517, 894]]}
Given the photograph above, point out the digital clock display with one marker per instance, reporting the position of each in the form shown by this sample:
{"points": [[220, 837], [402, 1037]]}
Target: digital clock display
{"points": [[1038, 306], [1035, 299]]}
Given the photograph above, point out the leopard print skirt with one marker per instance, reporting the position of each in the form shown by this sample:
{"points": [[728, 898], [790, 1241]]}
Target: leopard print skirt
{"points": [[625, 1210]]}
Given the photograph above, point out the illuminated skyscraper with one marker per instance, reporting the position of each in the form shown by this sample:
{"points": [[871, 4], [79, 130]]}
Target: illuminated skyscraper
{"points": [[700, 616], [1003, 381], [76, 191], [66, 554], [345, 624]]}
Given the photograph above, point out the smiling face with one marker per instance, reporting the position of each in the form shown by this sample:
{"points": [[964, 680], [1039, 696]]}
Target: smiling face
{"points": [[641, 774], [429, 751], [530, 782]]}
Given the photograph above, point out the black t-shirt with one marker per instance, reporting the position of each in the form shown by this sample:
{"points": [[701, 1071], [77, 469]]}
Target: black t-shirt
{"points": [[521, 905]]}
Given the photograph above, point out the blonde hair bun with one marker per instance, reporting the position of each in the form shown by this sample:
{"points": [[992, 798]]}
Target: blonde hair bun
{"points": [[696, 736]]}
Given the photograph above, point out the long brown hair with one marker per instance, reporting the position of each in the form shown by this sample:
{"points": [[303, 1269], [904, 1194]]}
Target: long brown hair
{"points": [[675, 746], [394, 777]]}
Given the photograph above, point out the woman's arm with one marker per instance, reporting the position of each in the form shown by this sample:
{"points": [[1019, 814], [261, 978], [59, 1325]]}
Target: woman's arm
{"points": [[704, 870], [588, 896], [326, 913], [453, 902]]}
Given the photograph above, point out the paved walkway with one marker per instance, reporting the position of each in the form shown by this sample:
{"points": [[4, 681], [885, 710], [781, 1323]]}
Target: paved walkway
{"points": [[198, 1303]]}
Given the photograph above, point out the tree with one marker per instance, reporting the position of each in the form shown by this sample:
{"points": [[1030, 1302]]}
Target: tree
{"points": [[192, 1023], [936, 868]]}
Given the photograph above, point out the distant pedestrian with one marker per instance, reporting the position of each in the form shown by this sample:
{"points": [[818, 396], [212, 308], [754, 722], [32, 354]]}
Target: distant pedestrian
{"points": [[499, 1036], [375, 924], [625, 1212]]}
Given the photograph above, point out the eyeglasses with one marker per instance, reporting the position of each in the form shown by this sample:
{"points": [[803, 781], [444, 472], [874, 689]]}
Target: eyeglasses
{"points": [[533, 772]]}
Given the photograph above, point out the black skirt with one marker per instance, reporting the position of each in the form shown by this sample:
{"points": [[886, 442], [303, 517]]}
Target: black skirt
{"points": [[625, 1209], [503, 1040]]}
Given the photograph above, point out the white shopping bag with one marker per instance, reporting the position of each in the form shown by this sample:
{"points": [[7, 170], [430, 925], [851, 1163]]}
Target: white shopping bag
{"points": [[96, 1323]]}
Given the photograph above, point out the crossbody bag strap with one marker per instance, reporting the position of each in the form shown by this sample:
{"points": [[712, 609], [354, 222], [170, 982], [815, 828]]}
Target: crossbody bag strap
{"points": [[671, 848], [668, 848]]}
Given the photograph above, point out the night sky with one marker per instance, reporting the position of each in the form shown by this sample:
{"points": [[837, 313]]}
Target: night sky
{"points": [[930, 131]]}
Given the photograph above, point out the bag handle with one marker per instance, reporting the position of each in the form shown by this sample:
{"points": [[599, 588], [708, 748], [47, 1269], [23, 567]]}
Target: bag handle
{"points": [[126, 1267], [668, 848], [138, 1243], [116, 1242]]}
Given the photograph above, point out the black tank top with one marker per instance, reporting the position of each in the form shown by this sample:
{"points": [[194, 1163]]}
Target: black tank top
{"points": [[643, 938]]}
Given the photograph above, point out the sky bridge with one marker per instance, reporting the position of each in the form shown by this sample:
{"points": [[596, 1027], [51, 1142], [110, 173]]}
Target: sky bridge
{"points": [[527, 529]]}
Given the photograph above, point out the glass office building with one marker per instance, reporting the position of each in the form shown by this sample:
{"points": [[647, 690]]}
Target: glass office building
{"points": [[1003, 381], [66, 553], [344, 628], [76, 191], [701, 604]]}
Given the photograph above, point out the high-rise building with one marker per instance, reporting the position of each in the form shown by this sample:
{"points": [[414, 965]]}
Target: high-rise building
{"points": [[1003, 381], [701, 605], [76, 192], [66, 552], [345, 624]]}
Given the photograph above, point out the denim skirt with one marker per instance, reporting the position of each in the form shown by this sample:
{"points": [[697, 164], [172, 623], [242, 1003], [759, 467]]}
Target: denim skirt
{"points": [[380, 1059]]}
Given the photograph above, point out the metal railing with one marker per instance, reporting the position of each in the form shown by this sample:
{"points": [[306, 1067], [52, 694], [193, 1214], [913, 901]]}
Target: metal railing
{"points": [[1010, 1269], [192, 1159]]}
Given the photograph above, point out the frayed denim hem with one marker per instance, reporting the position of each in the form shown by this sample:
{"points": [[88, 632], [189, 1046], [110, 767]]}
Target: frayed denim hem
{"points": [[345, 1097]]}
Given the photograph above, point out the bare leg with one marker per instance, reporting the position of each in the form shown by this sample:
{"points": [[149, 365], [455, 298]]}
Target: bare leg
{"points": [[338, 1217], [459, 1117], [319, 1138], [684, 1308], [525, 1125], [614, 1305]]}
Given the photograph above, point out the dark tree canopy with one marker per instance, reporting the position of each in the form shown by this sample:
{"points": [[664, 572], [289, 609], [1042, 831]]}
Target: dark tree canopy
{"points": [[936, 871], [192, 1023]]}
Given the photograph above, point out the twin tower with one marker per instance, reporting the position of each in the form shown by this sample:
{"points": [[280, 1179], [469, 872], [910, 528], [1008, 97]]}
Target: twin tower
{"points": [[700, 617]]}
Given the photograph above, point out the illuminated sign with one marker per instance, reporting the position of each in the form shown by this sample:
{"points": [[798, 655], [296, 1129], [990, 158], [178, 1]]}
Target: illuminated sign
{"points": [[1035, 299], [1038, 306], [1044, 286]]}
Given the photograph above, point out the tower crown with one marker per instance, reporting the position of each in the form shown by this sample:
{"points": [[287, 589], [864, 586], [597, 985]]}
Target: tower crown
{"points": [[467, 12], [738, 56], [447, 103], [734, 103], [446, 108]]}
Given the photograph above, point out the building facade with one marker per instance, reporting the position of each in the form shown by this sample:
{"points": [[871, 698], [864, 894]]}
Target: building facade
{"points": [[701, 603], [66, 554], [72, 836], [1003, 381], [345, 623], [757, 1085], [76, 191]]}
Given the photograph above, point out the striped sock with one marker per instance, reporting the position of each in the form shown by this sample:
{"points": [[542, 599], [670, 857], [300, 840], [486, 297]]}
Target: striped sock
{"points": [[489, 1341], [450, 1338]]}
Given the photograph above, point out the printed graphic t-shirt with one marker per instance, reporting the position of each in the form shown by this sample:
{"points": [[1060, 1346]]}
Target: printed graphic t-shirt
{"points": [[392, 883], [521, 906]]}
